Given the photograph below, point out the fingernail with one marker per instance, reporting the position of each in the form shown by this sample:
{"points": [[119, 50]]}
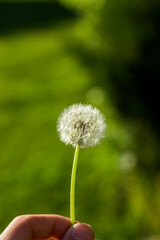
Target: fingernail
{"points": [[82, 231]]}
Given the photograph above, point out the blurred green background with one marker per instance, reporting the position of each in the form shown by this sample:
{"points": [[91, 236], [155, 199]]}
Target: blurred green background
{"points": [[105, 53]]}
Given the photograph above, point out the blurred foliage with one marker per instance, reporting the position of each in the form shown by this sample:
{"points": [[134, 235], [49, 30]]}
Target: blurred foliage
{"points": [[100, 52]]}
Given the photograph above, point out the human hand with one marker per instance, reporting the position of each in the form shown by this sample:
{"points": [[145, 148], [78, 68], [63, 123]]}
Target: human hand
{"points": [[43, 227]]}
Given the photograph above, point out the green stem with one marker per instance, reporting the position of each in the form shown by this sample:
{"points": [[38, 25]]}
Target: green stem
{"points": [[72, 188]]}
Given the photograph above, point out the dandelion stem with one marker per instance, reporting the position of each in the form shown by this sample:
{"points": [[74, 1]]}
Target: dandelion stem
{"points": [[72, 187]]}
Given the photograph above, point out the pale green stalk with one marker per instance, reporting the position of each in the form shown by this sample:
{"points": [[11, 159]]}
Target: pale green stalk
{"points": [[72, 188]]}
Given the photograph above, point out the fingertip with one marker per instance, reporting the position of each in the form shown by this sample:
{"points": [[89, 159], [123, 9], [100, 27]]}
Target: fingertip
{"points": [[79, 231], [82, 231]]}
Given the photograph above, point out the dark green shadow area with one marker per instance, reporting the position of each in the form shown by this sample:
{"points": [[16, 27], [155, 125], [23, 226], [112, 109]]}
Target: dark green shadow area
{"points": [[30, 15]]}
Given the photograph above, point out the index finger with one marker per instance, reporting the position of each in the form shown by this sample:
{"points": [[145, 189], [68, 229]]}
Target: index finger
{"points": [[30, 227]]}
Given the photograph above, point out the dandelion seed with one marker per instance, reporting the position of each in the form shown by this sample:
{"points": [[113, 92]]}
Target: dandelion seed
{"points": [[81, 125]]}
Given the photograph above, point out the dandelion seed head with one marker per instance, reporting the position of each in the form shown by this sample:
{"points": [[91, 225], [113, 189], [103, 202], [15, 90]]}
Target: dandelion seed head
{"points": [[82, 125]]}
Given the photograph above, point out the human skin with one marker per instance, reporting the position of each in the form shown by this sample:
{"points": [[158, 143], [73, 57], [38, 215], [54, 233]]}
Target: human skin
{"points": [[43, 227]]}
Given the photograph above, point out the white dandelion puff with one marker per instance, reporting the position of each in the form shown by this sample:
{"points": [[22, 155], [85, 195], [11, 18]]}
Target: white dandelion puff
{"points": [[82, 125]]}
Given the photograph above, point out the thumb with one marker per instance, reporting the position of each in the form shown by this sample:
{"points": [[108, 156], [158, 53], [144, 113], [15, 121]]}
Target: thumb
{"points": [[79, 231]]}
